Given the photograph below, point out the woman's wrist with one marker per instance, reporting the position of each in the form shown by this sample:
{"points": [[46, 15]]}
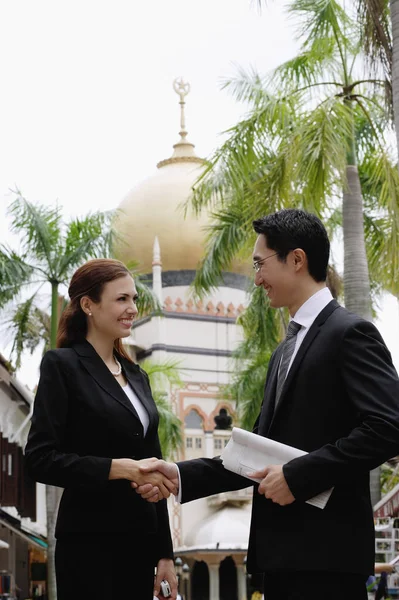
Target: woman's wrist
{"points": [[123, 468]]}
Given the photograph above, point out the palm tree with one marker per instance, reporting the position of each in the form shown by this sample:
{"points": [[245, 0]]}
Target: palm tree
{"points": [[50, 251], [313, 128]]}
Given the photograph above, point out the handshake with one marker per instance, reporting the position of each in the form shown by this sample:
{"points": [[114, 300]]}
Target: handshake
{"points": [[152, 478]]}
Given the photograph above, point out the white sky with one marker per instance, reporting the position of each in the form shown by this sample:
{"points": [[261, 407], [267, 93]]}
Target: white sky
{"points": [[87, 107]]}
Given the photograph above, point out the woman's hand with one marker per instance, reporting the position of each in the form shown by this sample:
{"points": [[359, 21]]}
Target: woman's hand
{"points": [[166, 570]]}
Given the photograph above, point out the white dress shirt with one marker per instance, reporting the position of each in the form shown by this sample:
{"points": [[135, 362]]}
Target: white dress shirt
{"points": [[304, 316], [138, 405]]}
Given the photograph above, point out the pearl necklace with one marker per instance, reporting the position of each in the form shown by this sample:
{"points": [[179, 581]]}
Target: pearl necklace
{"points": [[119, 371]]}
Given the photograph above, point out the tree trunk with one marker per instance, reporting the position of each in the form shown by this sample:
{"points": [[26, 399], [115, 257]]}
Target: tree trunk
{"points": [[356, 273], [52, 500], [53, 494], [395, 63]]}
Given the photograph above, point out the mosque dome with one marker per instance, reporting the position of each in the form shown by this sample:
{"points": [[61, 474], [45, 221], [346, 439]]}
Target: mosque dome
{"points": [[228, 527], [154, 208]]}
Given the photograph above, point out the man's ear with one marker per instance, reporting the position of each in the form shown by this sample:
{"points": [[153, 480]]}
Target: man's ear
{"points": [[299, 258]]}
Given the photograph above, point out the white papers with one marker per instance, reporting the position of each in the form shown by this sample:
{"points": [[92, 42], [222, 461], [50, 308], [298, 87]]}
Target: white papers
{"points": [[247, 452]]}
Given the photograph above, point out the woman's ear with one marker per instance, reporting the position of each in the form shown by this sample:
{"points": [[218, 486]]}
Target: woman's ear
{"points": [[85, 305]]}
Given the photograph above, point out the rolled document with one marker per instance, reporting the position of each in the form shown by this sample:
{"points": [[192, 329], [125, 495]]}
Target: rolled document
{"points": [[248, 452]]}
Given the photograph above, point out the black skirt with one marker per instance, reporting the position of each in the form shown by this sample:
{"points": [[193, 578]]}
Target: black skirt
{"points": [[105, 567]]}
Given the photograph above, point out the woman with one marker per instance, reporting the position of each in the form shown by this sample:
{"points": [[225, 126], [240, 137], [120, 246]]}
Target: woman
{"points": [[94, 420]]}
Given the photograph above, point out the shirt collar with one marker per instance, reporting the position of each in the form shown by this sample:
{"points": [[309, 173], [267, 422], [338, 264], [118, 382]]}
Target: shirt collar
{"points": [[307, 313]]}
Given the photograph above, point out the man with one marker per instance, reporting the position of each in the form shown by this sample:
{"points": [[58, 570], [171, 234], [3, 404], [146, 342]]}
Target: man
{"points": [[331, 390]]}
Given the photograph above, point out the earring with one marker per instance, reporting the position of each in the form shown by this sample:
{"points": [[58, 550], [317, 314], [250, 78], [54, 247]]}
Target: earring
{"points": [[90, 314]]}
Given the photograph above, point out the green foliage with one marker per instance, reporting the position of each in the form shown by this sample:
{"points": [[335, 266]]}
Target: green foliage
{"points": [[262, 329], [389, 477], [162, 376], [30, 327]]}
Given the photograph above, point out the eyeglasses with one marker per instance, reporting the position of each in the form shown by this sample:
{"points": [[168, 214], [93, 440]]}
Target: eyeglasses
{"points": [[257, 265]]}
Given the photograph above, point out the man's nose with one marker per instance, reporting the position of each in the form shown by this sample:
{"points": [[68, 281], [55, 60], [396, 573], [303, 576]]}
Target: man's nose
{"points": [[258, 279]]}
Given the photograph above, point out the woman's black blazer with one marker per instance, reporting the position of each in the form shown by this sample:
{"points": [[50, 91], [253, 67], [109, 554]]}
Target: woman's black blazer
{"points": [[82, 419]]}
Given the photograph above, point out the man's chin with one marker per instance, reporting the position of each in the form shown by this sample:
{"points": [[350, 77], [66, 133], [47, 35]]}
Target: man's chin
{"points": [[275, 303]]}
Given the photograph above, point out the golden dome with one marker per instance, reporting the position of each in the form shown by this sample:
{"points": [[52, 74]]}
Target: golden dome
{"points": [[154, 209]]}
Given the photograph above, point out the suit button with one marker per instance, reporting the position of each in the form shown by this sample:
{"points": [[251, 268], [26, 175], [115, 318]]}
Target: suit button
{"points": [[136, 434]]}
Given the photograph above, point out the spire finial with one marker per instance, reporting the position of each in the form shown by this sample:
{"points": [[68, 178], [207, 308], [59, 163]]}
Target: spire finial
{"points": [[183, 149], [182, 88]]}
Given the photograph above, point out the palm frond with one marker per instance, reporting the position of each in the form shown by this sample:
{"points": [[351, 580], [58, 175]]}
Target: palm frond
{"points": [[89, 237], [226, 237], [247, 389], [170, 427], [376, 36], [162, 374], [29, 327], [323, 139], [247, 86], [39, 228], [307, 68], [322, 19], [380, 185], [262, 326], [15, 272], [249, 147]]}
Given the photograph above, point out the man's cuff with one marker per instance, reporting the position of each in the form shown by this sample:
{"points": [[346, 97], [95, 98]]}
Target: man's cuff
{"points": [[179, 493]]}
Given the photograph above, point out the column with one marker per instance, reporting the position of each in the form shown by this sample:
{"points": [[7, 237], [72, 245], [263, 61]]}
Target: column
{"points": [[242, 582], [214, 582], [209, 453]]}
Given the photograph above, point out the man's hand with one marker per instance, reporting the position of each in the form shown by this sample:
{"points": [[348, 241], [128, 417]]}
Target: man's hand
{"points": [[165, 570], [149, 491], [158, 481], [274, 485]]}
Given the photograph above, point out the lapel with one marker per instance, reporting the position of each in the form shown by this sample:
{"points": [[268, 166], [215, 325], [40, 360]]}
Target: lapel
{"points": [[136, 379], [96, 367], [305, 345]]}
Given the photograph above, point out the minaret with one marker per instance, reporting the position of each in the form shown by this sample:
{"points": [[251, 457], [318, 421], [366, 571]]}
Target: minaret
{"points": [[157, 271], [183, 149]]}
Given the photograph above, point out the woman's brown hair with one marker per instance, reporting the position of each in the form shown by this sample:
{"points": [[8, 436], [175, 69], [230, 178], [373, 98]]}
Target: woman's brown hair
{"points": [[88, 280]]}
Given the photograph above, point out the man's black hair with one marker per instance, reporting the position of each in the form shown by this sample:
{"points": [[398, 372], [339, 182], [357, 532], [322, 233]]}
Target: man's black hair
{"points": [[293, 228]]}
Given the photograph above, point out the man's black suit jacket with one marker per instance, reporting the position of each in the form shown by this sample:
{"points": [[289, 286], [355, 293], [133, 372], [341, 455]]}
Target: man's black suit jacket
{"points": [[83, 419], [340, 403]]}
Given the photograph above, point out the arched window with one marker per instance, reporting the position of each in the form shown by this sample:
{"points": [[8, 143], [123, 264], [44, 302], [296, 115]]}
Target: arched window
{"points": [[200, 581], [228, 584], [194, 434], [193, 420]]}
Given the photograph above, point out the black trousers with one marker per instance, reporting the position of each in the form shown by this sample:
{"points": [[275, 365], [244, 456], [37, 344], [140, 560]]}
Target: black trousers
{"points": [[314, 585], [105, 567]]}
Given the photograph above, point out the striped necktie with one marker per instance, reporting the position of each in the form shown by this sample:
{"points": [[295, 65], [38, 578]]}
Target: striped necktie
{"points": [[288, 350]]}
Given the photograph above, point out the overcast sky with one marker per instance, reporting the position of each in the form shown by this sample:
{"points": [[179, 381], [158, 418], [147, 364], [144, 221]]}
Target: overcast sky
{"points": [[87, 104]]}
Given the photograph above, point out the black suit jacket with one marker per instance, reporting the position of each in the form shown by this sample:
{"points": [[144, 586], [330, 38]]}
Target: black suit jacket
{"points": [[340, 403], [82, 419]]}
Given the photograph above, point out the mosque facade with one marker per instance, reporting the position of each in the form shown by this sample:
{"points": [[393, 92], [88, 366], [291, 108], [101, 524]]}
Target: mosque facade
{"points": [[210, 535]]}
